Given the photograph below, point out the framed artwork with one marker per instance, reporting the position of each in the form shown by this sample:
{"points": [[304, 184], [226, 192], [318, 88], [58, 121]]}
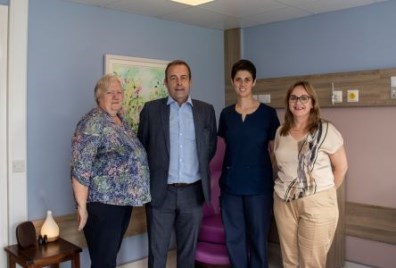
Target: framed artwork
{"points": [[143, 80]]}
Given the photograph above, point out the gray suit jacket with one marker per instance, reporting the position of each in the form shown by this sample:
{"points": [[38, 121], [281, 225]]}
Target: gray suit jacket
{"points": [[154, 134]]}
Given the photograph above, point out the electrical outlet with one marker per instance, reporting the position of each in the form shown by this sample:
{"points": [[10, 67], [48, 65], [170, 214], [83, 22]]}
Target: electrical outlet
{"points": [[265, 98], [393, 87], [393, 93]]}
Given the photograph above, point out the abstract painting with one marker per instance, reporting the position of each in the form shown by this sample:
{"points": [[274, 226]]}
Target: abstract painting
{"points": [[143, 80]]}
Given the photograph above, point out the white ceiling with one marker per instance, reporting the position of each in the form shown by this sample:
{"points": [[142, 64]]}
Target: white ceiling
{"points": [[228, 14]]}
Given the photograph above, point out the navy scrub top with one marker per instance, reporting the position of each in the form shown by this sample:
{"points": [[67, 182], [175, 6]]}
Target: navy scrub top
{"points": [[247, 168]]}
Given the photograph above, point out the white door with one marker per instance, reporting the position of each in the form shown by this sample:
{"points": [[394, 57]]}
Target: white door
{"points": [[3, 134]]}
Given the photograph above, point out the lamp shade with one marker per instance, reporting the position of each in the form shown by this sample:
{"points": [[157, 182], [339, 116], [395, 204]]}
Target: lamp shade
{"points": [[50, 228]]}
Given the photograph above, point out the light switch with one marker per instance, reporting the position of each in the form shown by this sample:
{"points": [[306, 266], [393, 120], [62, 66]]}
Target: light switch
{"points": [[393, 81], [337, 96], [18, 166]]}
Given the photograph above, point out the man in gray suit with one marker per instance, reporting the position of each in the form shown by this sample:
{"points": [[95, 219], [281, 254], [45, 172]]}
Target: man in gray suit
{"points": [[179, 135]]}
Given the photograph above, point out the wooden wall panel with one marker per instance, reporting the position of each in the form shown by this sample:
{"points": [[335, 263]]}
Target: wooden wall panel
{"points": [[373, 85], [232, 53], [336, 254], [371, 222], [364, 221]]}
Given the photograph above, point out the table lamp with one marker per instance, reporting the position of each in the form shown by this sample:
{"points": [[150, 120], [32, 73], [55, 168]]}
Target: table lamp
{"points": [[50, 228]]}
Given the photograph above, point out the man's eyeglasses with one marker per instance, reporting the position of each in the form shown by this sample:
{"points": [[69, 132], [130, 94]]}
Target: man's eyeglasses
{"points": [[303, 98]]}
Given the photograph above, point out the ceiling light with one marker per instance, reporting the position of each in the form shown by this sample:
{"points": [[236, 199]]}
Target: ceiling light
{"points": [[192, 2]]}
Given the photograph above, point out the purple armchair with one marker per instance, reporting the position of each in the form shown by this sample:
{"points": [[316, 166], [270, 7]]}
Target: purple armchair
{"points": [[211, 248]]}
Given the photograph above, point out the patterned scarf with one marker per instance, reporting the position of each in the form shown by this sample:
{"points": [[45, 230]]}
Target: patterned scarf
{"points": [[305, 184]]}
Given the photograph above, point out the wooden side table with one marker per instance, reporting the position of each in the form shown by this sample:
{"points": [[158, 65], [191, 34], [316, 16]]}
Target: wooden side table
{"points": [[50, 254]]}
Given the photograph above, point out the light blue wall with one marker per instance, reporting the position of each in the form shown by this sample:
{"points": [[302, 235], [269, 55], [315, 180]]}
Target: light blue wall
{"points": [[350, 40], [66, 47]]}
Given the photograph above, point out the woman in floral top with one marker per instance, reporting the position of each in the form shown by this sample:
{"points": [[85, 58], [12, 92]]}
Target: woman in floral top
{"points": [[109, 173]]}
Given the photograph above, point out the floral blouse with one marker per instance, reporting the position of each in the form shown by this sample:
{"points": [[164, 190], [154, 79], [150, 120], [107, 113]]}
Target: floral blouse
{"points": [[110, 160]]}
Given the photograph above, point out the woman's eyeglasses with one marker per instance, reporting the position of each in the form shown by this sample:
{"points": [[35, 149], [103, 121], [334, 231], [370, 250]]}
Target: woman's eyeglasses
{"points": [[303, 98]]}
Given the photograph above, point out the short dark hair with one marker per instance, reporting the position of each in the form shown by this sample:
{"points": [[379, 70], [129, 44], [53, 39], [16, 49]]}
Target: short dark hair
{"points": [[177, 62], [243, 65]]}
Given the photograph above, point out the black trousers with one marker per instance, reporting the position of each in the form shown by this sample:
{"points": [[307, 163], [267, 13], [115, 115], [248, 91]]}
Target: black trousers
{"points": [[104, 232]]}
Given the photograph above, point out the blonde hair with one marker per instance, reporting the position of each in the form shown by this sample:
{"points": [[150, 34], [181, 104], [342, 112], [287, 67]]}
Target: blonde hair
{"points": [[104, 84], [314, 116]]}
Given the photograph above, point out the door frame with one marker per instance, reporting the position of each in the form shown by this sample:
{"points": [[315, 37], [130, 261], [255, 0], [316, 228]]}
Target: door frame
{"points": [[14, 135], [3, 130]]}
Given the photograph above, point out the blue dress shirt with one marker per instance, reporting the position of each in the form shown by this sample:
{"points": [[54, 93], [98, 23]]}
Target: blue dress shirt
{"points": [[183, 163]]}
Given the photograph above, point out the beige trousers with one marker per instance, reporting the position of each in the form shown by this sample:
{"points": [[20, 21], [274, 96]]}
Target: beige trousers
{"points": [[306, 228]]}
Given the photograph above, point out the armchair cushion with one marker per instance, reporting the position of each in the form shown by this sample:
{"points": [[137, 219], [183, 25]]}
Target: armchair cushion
{"points": [[212, 230], [211, 247], [215, 254]]}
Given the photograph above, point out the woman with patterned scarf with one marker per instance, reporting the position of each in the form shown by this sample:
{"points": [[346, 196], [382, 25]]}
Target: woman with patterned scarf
{"points": [[311, 164]]}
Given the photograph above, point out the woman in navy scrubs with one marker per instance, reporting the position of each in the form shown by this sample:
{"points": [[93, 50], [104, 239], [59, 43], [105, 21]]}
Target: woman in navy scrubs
{"points": [[248, 129]]}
